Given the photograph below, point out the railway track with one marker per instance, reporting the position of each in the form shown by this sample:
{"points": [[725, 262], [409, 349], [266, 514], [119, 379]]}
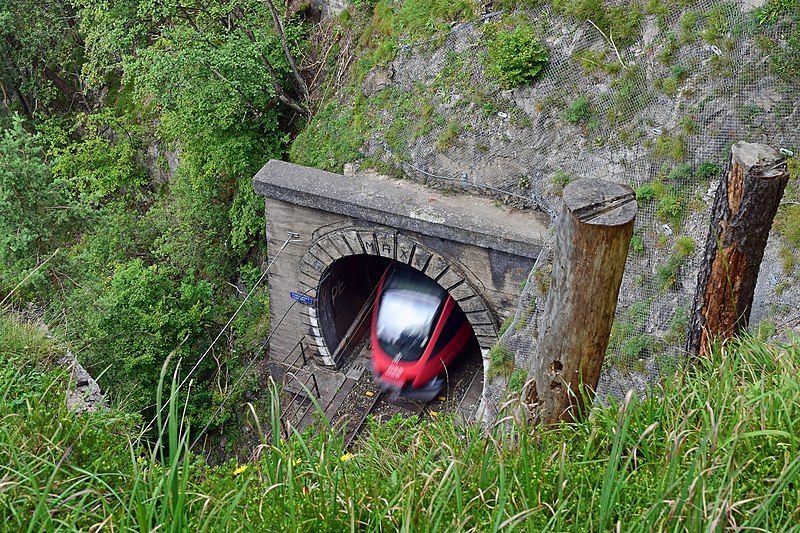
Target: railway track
{"points": [[382, 406]]}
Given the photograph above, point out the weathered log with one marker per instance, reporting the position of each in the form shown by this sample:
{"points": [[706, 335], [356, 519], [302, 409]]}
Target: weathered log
{"points": [[747, 199], [593, 234]]}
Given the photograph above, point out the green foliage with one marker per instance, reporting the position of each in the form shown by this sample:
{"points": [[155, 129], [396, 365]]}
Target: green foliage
{"points": [[593, 60], [637, 244], [501, 361], [684, 246], [765, 329], [707, 170], [417, 473], [145, 315], [630, 94], [775, 10], [620, 23], [787, 220], [328, 141], [677, 327], [505, 325], [785, 61], [247, 217], [671, 208], [669, 86], [449, 136], [786, 256], [719, 21], [628, 341], [680, 174], [562, 178], [671, 146], [101, 163], [667, 54], [515, 56], [40, 52], [689, 23], [517, 380], [669, 272], [578, 112], [645, 193], [689, 125], [34, 211]]}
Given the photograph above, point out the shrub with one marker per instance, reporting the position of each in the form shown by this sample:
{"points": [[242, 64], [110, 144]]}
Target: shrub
{"points": [[787, 223], [515, 56], [688, 25], [671, 209], [578, 112], [681, 173], [517, 380], [785, 62], [637, 244], [668, 272], [562, 178], [645, 193], [684, 246], [787, 259], [501, 360], [774, 10], [671, 146]]}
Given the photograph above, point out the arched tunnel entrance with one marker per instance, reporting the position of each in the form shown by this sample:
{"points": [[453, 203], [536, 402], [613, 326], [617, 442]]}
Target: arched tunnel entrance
{"points": [[346, 297], [480, 254]]}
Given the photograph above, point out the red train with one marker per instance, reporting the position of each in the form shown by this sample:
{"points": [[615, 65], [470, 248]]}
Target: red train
{"points": [[417, 331]]}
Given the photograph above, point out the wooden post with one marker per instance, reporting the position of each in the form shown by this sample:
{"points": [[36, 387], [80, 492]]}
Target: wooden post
{"points": [[593, 234], [747, 199]]}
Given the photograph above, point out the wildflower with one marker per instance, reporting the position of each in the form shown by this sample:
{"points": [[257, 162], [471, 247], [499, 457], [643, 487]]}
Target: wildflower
{"points": [[297, 461], [434, 413], [346, 457], [239, 470]]}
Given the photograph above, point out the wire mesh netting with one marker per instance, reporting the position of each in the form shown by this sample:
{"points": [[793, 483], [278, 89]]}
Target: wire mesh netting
{"points": [[659, 115]]}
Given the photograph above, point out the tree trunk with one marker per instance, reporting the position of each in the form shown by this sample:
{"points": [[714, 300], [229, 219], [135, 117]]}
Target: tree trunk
{"points": [[594, 232], [747, 199]]}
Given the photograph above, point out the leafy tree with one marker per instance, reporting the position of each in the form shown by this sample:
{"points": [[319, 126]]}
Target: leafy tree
{"points": [[40, 56], [144, 315], [102, 163], [33, 210]]}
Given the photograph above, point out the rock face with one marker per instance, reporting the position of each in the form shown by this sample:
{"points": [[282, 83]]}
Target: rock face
{"points": [[376, 80], [330, 8], [85, 394], [652, 117]]}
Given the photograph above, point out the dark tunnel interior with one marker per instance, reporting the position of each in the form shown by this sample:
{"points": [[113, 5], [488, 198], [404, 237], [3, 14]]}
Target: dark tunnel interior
{"points": [[345, 299]]}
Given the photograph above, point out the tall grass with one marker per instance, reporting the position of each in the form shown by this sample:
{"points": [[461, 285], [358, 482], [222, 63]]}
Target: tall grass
{"points": [[714, 447]]}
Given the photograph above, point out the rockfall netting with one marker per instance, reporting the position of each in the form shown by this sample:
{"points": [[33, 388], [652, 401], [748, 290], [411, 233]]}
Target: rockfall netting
{"points": [[658, 115]]}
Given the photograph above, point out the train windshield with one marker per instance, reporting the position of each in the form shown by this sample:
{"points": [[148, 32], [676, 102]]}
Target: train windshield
{"points": [[407, 315]]}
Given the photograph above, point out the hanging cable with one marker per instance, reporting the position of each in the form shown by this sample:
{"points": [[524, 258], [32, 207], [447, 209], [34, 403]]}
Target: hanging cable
{"points": [[291, 237], [247, 368]]}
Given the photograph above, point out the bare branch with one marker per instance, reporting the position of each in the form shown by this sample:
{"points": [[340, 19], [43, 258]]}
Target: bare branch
{"points": [[277, 25], [611, 42]]}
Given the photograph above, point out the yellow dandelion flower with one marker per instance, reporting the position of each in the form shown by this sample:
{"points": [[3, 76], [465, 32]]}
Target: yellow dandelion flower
{"points": [[239, 470], [346, 457]]}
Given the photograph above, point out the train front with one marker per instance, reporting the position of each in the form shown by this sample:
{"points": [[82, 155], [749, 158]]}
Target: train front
{"points": [[417, 331]]}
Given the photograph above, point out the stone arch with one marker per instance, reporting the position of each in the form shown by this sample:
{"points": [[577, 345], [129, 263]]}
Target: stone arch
{"points": [[380, 242]]}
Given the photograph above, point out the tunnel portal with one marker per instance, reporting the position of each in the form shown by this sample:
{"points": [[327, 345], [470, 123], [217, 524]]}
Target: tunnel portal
{"points": [[330, 237]]}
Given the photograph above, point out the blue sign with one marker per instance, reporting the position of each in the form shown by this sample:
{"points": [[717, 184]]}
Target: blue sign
{"points": [[301, 297]]}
